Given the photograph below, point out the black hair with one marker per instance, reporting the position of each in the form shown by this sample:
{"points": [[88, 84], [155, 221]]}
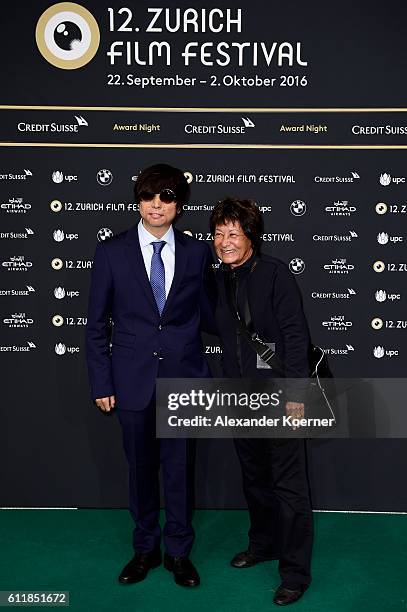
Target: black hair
{"points": [[162, 176], [245, 212]]}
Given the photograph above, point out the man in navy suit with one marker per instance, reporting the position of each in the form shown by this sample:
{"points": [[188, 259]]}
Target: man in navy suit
{"points": [[154, 283]]}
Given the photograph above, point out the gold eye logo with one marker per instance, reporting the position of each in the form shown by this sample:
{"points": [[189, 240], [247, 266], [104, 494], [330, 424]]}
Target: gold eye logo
{"points": [[56, 206], [379, 266], [56, 263], [381, 208], [57, 320], [67, 35]]}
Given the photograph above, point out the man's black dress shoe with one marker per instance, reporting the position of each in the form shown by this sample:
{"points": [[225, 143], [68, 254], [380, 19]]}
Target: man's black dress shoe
{"points": [[285, 596], [185, 574], [248, 559], [137, 569]]}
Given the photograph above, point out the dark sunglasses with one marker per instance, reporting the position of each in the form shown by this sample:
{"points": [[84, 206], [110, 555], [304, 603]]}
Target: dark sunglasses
{"points": [[166, 195]]}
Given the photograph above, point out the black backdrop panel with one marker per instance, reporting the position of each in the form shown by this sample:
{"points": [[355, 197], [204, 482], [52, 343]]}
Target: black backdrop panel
{"points": [[355, 56], [335, 213]]}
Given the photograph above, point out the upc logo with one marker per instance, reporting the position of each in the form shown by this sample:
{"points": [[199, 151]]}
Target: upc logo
{"points": [[385, 179], [383, 238], [57, 176], [378, 352]]}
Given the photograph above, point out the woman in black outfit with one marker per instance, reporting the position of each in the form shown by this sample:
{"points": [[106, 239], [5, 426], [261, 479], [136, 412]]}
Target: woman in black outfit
{"points": [[268, 300]]}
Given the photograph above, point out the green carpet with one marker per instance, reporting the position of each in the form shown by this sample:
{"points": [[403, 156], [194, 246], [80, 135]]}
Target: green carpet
{"points": [[359, 563]]}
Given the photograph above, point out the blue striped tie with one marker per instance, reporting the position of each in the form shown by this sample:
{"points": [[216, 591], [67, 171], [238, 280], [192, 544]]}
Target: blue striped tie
{"points": [[157, 275]]}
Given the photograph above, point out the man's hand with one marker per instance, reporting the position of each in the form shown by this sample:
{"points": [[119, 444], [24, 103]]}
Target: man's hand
{"points": [[106, 404], [294, 410]]}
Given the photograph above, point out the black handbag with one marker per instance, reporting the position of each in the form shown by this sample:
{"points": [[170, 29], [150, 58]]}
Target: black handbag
{"points": [[321, 388]]}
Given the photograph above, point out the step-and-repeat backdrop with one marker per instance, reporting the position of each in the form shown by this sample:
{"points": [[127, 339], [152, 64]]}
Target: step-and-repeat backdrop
{"points": [[299, 106]]}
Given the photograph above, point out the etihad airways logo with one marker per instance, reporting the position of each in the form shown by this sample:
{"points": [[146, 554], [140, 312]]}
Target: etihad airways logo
{"points": [[17, 263], [339, 266], [15, 206], [337, 323], [18, 319], [340, 208]]}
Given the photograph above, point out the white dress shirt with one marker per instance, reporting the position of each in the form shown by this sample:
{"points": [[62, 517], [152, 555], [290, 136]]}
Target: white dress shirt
{"points": [[167, 253]]}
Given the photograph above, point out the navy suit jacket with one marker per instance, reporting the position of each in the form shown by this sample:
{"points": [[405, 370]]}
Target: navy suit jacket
{"points": [[124, 359]]}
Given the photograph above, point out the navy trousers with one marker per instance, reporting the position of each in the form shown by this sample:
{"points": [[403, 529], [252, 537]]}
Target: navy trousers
{"points": [[145, 453]]}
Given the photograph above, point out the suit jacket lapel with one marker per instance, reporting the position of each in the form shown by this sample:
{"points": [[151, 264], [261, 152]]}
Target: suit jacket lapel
{"points": [[136, 261], [181, 258]]}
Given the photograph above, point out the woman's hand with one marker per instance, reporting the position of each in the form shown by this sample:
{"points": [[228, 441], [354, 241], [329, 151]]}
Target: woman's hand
{"points": [[295, 410]]}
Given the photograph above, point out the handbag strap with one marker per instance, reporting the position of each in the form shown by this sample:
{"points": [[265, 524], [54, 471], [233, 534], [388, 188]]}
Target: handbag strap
{"points": [[252, 338]]}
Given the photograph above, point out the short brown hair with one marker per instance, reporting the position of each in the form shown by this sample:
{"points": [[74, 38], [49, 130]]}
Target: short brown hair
{"points": [[245, 212]]}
